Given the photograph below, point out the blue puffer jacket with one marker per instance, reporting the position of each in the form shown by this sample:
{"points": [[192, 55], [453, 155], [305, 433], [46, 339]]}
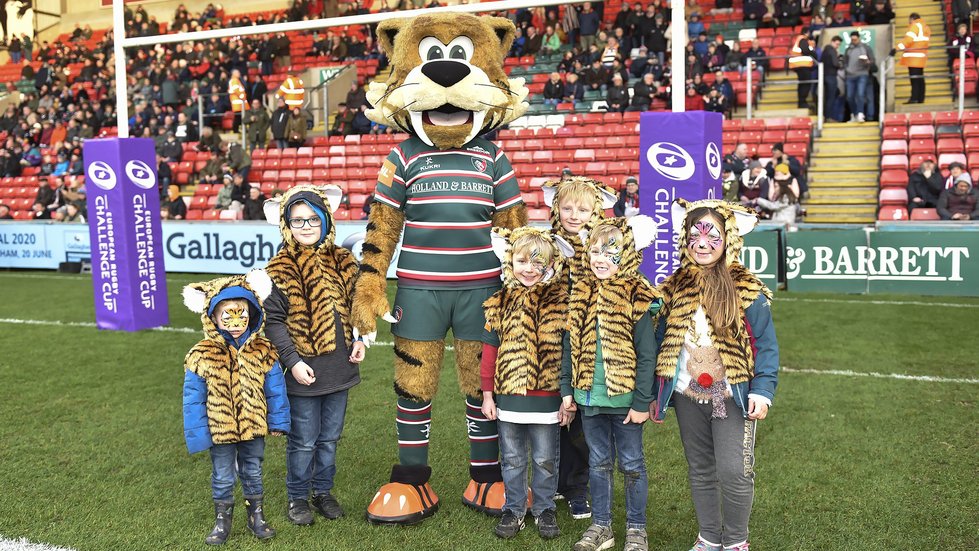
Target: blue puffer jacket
{"points": [[196, 431], [765, 380]]}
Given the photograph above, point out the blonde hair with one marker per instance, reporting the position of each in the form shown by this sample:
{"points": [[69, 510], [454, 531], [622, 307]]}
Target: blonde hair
{"points": [[527, 243], [603, 233], [575, 192]]}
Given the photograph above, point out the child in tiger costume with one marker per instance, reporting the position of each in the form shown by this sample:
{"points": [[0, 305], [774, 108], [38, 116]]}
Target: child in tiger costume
{"points": [[234, 394], [309, 323], [713, 308], [521, 364], [577, 205], [607, 371]]}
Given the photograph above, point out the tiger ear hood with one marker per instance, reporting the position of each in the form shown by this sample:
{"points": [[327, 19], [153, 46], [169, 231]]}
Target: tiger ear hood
{"points": [[503, 239], [324, 200], [202, 297], [447, 83], [738, 222]]}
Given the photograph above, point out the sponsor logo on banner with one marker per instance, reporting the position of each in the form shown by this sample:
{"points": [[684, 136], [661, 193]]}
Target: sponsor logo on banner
{"points": [[877, 263], [713, 157], [141, 174], [671, 161], [102, 175]]}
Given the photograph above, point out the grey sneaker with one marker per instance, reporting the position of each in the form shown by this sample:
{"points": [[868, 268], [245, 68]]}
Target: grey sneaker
{"points": [[299, 513], [596, 538], [547, 525], [508, 526], [327, 506], [635, 540]]}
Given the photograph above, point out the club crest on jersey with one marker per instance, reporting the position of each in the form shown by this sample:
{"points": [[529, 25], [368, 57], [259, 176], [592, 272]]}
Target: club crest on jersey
{"points": [[398, 312], [479, 164]]}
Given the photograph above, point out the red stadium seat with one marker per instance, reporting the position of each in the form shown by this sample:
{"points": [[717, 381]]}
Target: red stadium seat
{"points": [[894, 178], [920, 131], [898, 133], [893, 196], [894, 147], [946, 117], [922, 213], [926, 147], [894, 162], [946, 159], [895, 119], [892, 213], [950, 145]]}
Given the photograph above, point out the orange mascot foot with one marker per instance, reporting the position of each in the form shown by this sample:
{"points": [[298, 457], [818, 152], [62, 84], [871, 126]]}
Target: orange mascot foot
{"points": [[485, 492], [407, 499]]}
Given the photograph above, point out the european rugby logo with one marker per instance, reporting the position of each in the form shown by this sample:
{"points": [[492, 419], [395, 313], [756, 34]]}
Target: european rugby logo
{"points": [[141, 174], [713, 160], [102, 175], [671, 160]]}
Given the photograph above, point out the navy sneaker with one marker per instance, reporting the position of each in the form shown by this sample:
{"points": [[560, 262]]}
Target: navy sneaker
{"points": [[580, 508]]}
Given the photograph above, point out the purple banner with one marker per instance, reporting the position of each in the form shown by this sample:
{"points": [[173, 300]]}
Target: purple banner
{"points": [[679, 156], [124, 224]]}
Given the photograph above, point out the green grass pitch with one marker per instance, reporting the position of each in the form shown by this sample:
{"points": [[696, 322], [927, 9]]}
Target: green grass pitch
{"points": [[92, 453]]}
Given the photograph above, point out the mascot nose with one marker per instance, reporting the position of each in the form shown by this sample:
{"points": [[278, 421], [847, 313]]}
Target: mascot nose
{"points": [[445, 73]]}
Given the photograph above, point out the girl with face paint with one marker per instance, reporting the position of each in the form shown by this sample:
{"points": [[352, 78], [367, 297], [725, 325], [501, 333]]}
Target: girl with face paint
{"points": [[708, 369]]}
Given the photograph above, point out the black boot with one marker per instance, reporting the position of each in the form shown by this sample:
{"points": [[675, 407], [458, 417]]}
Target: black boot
{"points": [[256, 518], [222, 523]]}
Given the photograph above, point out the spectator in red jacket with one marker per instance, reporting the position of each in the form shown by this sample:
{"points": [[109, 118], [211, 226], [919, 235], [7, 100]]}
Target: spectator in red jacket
{"points": [[693, 101]]}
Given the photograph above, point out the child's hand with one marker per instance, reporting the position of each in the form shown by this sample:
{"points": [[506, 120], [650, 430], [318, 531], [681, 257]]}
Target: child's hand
{"points": [[303, 374], [637, 417], [757, 410], [653, 407], [489, 406], [358, 352], [568, 404], [564, 416]]}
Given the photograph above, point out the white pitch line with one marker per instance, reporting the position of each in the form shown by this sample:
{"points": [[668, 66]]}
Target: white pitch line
{"points": [[23, 544], [875, 375], [888, 302]]}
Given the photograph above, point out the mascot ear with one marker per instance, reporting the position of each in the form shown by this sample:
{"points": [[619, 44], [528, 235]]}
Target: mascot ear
{"points": [[505, 31], [550, 190], [746, 221], [195, 298], [565, 248], [333, 195], [271, 209], [500, 240], [260, 282], [643, 230], [386, 33], [678, 213]]}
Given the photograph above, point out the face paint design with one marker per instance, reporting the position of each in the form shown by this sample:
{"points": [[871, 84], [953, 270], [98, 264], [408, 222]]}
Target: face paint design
{"points": [[234, 320], [611, 250], [705, 234], [537, 261]]}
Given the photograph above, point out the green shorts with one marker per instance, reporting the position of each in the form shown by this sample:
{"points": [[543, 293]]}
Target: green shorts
{"points": [[427, 314]]}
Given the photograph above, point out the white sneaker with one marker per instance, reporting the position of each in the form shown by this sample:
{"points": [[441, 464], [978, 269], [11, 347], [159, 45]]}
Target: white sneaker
{"points": [[861, 118]]}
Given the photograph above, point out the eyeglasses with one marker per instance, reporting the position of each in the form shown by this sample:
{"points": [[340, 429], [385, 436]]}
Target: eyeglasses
{"points": [[300, 223]]}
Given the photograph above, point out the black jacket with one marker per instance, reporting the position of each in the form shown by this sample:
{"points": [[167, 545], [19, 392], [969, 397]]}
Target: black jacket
{"points": [[928, 189], [280, 118]]}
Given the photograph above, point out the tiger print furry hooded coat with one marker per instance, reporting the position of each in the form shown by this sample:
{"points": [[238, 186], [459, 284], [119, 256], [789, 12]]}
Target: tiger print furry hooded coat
{"points": [[614, 305], [529, 322], [233, 391], [683, 292]]}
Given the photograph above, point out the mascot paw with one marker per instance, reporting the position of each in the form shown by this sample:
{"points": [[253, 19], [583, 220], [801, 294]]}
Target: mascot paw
{"points": [[487, 497], [399, 503]]}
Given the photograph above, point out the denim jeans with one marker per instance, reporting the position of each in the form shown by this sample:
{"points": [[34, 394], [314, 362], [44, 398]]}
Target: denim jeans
{"points": [[311, 451], [243, 459], [856, 94], [606, 435], [543, 443]]}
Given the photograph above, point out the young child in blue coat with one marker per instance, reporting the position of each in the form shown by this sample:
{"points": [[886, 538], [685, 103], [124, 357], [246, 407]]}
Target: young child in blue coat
{"points": [[717, 365], [234, 394]]}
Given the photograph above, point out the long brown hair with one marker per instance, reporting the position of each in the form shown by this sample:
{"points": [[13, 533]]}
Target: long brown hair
{"points": [[719, 296]]}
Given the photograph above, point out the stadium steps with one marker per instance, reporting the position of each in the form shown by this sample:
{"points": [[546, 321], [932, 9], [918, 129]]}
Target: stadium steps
{"points": [[843, 171], [779, 93], [938, 92]]}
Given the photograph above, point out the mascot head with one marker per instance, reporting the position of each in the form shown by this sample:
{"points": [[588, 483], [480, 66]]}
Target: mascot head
{"points": [[737, 221], [447, 85]]}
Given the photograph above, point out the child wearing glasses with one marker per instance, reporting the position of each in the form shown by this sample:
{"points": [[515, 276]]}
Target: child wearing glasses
{"points": [[308, 322]]}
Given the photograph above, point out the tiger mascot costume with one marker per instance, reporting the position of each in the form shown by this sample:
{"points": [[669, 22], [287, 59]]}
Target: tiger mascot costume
{"points": [[445, 187]]}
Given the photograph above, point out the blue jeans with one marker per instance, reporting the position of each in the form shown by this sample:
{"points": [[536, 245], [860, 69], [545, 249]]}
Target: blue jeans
{"points": [[856, 94], [543, 442], [311, 451], [241, 458], [606, 435], [552, 101]]}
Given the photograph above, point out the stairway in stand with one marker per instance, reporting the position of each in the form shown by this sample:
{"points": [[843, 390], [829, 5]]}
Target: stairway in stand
{"points": [[938, 92], [844, 167], [779, 96]]}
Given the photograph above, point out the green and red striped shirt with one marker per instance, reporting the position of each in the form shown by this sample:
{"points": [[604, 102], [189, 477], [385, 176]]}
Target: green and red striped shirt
{"points": [[448, 198]]}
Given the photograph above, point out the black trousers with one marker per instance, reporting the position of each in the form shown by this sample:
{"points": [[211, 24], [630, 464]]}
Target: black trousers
{"points": [[917, 77], [804, 74], [572, 479]]}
